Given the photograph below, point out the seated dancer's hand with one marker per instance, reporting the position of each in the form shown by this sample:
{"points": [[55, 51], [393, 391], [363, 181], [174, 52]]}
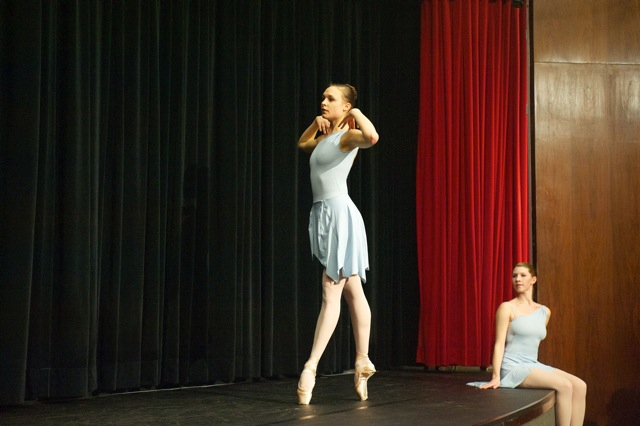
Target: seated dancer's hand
{"points": [[493, 384]]}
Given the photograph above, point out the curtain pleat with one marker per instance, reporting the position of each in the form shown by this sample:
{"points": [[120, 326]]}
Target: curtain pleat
{"points": [[154, 203], [472, 174]]}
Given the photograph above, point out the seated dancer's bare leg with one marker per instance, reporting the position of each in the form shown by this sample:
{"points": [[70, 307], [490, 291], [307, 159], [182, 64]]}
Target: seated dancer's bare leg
{"points": [[570, 394]]}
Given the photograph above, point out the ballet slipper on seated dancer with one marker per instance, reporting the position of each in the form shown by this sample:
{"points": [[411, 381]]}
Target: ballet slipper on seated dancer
{"points": [[364, 370], [304, 392]]}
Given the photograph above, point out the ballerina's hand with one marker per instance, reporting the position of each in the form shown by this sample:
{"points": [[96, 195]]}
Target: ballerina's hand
{"points": [[348, 121], [324, 125]]}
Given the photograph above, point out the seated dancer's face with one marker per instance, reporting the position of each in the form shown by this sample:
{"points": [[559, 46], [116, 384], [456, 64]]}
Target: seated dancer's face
{"points": [[521, 279]]}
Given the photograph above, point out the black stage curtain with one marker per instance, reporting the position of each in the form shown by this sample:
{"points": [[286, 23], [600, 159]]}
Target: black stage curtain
{"points": [[155, 206]]}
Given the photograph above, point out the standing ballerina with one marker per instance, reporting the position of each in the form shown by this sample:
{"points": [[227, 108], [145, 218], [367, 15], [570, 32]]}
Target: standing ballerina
{"points": [[336, 229], [521, 324]]}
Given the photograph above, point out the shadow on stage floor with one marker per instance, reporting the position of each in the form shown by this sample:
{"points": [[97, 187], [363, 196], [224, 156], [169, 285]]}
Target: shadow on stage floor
{"points": [[396, 397]]}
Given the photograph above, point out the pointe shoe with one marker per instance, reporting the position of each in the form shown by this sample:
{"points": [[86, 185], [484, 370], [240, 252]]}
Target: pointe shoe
{"points": [[304, 395], [364, 371]]}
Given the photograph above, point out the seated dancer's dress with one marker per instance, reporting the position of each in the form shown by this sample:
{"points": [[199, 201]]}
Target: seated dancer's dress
{"points": [[521, 349], [336, 229]]}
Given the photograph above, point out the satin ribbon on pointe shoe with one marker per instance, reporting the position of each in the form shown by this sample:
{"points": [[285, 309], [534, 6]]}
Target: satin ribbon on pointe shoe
{"points": [[304, 395]]}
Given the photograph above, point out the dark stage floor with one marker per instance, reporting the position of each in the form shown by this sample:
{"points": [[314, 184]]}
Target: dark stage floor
{"points": [[398, 397]]}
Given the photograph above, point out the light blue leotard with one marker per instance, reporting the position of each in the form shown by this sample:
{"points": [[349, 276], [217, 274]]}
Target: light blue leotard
{"points": [[521, 349], [336, 229]]}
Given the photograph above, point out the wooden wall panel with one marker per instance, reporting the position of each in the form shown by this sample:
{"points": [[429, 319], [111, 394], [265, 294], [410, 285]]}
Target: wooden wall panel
{"points": [[625, 88], [586, 117], [571, 101], [590, 31]]}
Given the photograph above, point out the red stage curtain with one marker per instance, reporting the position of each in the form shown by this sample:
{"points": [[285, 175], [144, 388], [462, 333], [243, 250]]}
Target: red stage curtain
{"points": [[472, 173]]}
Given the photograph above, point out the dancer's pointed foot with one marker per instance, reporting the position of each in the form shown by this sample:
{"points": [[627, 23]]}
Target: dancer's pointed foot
{"points": [[364, 370], [307, 381]]}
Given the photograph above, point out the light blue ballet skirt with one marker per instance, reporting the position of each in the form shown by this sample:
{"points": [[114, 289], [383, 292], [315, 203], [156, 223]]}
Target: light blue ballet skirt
{"points": [[521, 349]]}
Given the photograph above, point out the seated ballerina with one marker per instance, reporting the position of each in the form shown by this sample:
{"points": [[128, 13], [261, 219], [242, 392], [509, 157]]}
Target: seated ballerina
{"points": [[520, 326]]}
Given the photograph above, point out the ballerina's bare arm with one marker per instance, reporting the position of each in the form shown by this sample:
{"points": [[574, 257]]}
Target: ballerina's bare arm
{"points": [[308, 140], [361, 134]]}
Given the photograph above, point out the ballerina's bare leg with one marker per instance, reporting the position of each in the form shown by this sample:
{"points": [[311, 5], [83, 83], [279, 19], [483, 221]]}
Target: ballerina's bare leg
{"points": [[326, 324]]}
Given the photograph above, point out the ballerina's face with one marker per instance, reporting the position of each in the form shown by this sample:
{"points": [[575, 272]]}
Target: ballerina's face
{"points": [[333, 105], [522, 279]]}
